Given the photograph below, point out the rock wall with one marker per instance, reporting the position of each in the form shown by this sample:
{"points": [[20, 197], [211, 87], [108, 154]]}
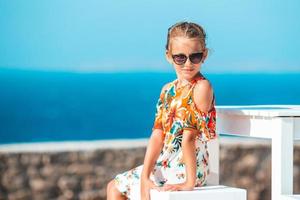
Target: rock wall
{"points": [[83, 175]]}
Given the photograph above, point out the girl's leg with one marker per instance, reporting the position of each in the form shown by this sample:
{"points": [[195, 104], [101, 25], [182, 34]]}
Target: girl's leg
{"points": [[113, 193]]}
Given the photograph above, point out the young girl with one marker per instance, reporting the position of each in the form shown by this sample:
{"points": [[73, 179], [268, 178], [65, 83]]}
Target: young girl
{"points": [[185, 119]]}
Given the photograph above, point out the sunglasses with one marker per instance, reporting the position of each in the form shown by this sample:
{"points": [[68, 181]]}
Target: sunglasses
{"points": [[195, 58]]}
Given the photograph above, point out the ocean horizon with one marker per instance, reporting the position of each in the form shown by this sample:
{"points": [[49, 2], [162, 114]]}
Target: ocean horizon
{"points": [[38, 106]]}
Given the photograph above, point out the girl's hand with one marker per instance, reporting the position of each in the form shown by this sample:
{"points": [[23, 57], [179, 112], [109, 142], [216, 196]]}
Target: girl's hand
{"points": [[146, 185], [177, 187]]}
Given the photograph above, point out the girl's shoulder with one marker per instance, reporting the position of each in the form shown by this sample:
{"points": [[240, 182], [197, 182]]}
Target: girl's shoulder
{"points": [[203, 83], [203, 95]]}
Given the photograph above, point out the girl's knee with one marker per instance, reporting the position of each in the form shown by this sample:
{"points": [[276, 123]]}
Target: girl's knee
{"points": [[110, 186], [112, 190]]}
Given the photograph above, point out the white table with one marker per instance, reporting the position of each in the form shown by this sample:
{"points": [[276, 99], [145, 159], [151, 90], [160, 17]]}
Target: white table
{"points": [[281, 124]]}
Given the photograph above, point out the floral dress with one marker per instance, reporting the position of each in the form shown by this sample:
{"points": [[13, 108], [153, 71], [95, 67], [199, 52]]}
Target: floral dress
{"points": [[175, 112]]}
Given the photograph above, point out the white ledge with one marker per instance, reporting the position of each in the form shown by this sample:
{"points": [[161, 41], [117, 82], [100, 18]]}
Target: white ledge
{"points": [[72, 145]]}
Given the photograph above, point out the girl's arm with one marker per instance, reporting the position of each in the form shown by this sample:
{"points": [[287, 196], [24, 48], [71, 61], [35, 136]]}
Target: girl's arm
{"points": [[153, 150], [189, 157]]}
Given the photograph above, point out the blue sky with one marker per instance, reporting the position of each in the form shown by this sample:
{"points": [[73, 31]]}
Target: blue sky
{"points": [[96, 35]]}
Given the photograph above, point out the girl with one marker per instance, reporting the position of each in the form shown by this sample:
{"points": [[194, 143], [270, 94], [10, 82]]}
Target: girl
{"points": [[185, 119]]}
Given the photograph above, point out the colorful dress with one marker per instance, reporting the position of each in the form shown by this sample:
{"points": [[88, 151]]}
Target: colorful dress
{"points": [[175, 112]]}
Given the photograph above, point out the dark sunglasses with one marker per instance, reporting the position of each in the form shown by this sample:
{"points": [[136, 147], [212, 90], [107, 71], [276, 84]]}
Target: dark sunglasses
{"points": [[195, 58]]}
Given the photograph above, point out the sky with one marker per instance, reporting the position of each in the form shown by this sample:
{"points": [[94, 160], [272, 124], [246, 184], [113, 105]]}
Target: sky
{"points": [[117, 36]]}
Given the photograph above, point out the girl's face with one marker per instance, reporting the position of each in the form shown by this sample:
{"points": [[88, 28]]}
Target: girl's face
{"points": [[185, 46]]}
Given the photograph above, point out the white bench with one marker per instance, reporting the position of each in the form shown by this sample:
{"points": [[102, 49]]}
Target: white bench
{"points": [[280, 123]]}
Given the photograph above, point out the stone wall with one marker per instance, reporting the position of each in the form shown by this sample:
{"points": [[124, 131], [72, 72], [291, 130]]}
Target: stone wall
{"points": [[84, 174]]}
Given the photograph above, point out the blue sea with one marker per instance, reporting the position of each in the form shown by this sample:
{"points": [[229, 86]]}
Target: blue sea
{"points": [[40, 106]]}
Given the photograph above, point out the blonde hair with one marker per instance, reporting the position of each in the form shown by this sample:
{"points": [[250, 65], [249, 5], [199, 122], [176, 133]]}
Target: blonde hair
{"points": [[186, 29]]}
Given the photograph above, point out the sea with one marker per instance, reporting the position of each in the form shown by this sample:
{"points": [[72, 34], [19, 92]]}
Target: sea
{"points": [[39, 106]]}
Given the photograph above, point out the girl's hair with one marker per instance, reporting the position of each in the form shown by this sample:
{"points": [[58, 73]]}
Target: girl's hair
{"points": [[187, 29]]}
